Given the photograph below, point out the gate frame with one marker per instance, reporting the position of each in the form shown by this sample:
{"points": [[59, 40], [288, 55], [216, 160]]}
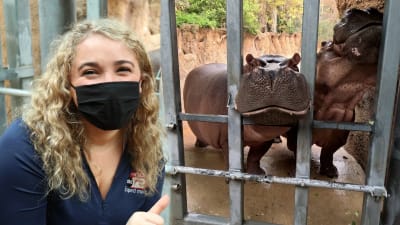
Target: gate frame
{"points": [[387, 76]]}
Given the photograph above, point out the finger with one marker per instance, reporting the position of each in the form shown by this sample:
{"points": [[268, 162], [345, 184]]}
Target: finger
{"points": [[160, 205]]}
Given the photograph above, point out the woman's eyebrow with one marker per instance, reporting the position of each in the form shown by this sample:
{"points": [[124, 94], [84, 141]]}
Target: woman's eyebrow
{"points": [[91, 64], [119, 62]]}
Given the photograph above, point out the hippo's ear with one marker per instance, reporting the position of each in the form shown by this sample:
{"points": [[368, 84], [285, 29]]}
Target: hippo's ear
{"points": [[254, 62], [294, 61], [249, 58]]}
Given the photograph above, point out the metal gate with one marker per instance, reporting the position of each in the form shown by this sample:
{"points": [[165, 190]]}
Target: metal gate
{"points": [[375, 192], [383, 176]]}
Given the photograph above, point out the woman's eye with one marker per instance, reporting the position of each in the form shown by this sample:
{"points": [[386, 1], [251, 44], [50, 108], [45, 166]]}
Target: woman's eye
{"points": [[124, 69], [89, 72]]}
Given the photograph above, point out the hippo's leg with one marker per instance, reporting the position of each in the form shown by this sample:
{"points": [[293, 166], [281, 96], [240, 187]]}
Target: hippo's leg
{"points": [[326, 159], [337, 140], [291, 139], [200, 144], [254, 156]]}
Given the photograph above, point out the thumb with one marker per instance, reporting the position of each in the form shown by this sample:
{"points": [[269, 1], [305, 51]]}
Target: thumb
{"points": [[160, 205]]}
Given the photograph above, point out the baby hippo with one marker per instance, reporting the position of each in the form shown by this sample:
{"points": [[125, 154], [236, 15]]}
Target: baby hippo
{"points": [[271, 92]]}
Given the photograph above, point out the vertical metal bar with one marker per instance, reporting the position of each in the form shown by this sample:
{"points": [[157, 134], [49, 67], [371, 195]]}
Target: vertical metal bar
{"points": [[308, 53], [391, 208], [19, 45], [234, 58], [172, 107], [3, 118], [96, 9], [55, 17], [387, 83]]}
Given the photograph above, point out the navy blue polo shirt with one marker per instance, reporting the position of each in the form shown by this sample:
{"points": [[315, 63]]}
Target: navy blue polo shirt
{"points": [[23, 198]]}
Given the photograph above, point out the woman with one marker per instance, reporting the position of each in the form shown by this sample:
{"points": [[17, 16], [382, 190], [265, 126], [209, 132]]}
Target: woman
{"points": [[87, 149]]}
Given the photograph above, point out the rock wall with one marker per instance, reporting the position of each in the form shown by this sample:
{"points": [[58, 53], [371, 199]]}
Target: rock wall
{"points": [[198, 46]]}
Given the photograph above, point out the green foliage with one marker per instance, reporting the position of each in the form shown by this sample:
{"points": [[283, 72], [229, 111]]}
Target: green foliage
{"points": [[289, 15], [212, 13], [251, 10], [256, 14]]}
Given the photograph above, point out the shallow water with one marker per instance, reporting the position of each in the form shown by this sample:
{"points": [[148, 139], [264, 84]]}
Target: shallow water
{"points": [[274, 203]]}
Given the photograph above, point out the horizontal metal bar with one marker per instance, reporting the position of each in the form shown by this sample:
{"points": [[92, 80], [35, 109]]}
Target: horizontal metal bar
{"points": [[15, 92], [377, 191], [25, 71], [343, 125], [203, 117], [7, 74], [196, 219], [316, 123]]}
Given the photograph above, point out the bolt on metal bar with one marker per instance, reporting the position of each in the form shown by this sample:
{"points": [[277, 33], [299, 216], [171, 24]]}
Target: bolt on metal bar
{"points": [[375, 191]]}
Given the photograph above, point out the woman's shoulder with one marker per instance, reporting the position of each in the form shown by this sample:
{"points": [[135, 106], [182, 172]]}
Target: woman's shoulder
{"points": [[17, 133], [16, 148]]}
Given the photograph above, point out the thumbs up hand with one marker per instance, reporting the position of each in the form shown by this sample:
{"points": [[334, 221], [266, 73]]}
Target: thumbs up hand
{"points": [[151, 217]]}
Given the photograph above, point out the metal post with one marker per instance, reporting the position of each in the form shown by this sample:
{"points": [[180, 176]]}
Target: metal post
{"points": [[391, 209], [3, 115], [308, 53], [387, 83], [96, 9], [19, 46], [172, 107], [55, 17], [235, 61]]}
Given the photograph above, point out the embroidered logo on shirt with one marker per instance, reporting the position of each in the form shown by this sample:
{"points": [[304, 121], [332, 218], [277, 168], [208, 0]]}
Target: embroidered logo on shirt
{"points": [[135, 183]]}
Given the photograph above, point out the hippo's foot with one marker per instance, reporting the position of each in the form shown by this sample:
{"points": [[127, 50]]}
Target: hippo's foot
{"points": [[200, 144], [255, 169], [329, 171]]}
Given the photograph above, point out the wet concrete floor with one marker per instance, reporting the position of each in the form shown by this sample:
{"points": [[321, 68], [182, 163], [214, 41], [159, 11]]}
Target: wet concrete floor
{"points": [[274, 203]]}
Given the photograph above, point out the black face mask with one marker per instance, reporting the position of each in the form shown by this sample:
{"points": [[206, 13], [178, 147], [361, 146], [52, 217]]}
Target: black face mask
{"points": [[108, 106]]}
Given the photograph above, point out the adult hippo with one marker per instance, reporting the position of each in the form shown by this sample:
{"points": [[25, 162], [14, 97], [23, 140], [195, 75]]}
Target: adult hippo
{"points": [[346, 69], [271, 91]]}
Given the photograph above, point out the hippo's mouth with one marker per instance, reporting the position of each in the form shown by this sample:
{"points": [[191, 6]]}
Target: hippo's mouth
{"points": [[272, 109], [276, 116]]}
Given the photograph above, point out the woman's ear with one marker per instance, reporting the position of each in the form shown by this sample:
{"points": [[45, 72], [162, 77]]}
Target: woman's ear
{"points": [[140, 85]]}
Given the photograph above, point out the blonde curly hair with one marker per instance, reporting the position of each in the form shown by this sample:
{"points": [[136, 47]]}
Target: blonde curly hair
{"points": [[56, 129]]}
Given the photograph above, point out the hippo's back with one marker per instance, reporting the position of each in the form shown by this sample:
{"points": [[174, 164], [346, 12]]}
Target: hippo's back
{"points": [[205, 92]]}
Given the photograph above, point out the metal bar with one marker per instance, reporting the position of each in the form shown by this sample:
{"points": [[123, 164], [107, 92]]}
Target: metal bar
{"points": [[376, 191], [55, 17], [234, 18], [391, 208], [367, 127], [196, 219], [19, 46], [3, 114], [203, 117], [303, 156], [387, 83], [172, 106], [96, 9], [14, 92]]}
